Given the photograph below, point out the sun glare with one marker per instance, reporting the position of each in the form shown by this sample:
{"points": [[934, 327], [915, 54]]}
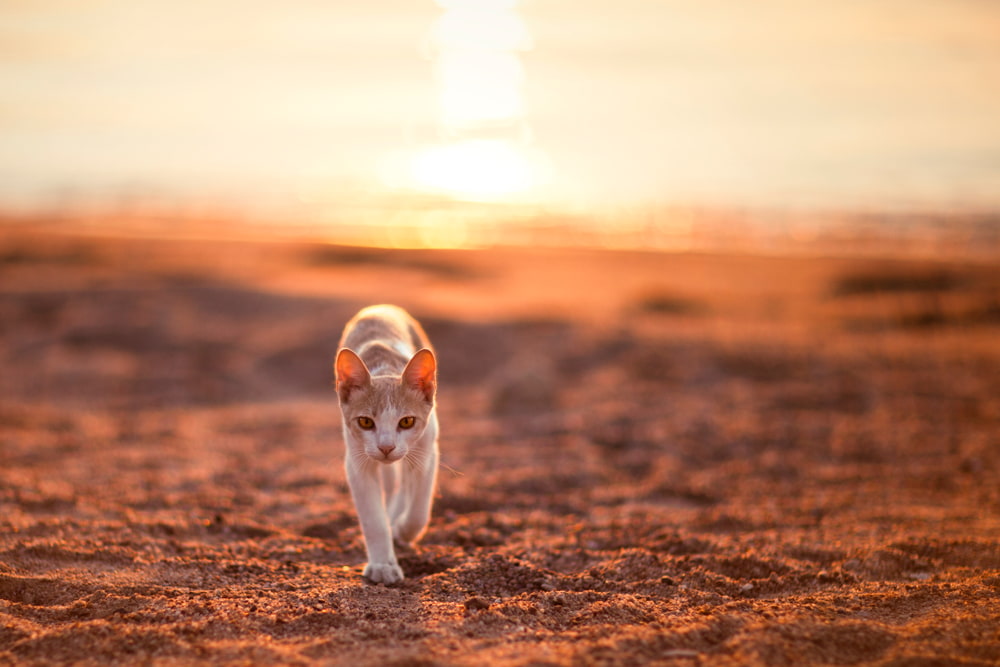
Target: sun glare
{"points": [[484, 152], [478, 169]]}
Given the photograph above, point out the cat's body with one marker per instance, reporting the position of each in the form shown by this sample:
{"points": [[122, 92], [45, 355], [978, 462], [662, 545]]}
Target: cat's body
{"points": [[386, 380]]}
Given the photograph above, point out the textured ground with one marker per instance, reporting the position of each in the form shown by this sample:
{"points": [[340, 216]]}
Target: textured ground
{"points": [[647, 459]]}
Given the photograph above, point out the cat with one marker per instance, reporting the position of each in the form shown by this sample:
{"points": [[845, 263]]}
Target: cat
{"points": [[386, 378]]}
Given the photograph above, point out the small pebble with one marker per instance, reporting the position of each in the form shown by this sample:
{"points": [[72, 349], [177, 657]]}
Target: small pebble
{"points": [[476, 603]]}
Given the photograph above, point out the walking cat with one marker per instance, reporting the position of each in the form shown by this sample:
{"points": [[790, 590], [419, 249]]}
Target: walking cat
{"points": [[386, 380]]}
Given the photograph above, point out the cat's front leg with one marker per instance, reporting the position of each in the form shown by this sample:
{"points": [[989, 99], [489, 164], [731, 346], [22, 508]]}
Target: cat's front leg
{"points": [[366, 490], [419, 487], [410, 527]]}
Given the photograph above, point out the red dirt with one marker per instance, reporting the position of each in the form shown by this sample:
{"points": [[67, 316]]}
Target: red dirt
{"points": [[673, 459]]}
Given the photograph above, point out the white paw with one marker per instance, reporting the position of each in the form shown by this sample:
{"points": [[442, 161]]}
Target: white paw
{"points": [[383, 573], [407, 533], [402, 540]]}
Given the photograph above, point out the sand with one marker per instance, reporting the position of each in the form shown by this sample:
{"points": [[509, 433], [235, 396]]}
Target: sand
{"points": [[672, 459]]}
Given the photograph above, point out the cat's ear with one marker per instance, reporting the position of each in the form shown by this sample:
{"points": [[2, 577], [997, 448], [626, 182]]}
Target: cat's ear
{"points": [[352, 374], [421, 374]]}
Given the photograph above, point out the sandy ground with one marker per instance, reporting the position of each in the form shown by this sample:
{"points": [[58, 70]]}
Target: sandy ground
{"points": [[673, 459]]}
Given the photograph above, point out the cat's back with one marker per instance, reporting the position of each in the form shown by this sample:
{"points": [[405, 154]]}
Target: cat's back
{"points": [[384, 325]]}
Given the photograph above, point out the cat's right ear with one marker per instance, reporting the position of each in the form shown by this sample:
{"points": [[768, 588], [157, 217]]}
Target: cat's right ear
{"points": [[352, 374]]}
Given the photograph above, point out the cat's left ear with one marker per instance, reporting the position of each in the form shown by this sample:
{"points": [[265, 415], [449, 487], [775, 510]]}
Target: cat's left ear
{"points": [[421, 374]]}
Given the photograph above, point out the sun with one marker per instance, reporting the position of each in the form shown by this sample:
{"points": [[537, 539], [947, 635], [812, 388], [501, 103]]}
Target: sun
{"points": [[483, 154], [484, 170]]}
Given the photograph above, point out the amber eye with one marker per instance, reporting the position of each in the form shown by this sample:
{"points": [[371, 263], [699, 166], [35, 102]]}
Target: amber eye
{"points": [[367, 423], [407, 422]]}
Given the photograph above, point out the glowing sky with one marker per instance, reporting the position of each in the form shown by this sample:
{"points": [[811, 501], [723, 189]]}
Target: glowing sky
{"points": [[882, 102]]}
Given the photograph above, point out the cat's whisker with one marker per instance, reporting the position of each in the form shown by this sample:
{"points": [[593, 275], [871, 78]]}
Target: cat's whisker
{"points": [[414, 459], [453, 471], [360, 459]]}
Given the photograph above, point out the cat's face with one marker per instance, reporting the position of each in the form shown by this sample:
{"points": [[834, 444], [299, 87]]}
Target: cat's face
{"points": [[384, 416]]}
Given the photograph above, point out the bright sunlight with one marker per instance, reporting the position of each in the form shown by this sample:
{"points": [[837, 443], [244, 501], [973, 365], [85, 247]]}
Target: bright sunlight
{"points": [[478, 169], [484, 153]]}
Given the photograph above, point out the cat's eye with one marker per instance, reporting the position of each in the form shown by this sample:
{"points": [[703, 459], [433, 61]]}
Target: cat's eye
{"points": [[407, 422], [367, 423]]}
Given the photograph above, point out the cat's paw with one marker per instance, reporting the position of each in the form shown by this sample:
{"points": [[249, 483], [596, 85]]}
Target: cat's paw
{"points": [[407, 533], [383, 573], [403, 542]]}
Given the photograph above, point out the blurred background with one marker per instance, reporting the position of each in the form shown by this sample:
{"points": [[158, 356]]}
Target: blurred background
{"points": [[470, 121]]}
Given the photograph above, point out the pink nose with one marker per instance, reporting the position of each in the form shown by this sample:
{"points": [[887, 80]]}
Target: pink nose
{"points": [[386, 449]]}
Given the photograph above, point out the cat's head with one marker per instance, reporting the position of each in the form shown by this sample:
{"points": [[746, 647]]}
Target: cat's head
{"points": [[385, 414]]}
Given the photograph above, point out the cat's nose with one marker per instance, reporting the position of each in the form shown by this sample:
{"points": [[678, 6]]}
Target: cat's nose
{"points": [[386, 449]]}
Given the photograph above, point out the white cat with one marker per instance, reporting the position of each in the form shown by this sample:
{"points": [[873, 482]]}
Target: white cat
{"points": [[387, 379]]}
